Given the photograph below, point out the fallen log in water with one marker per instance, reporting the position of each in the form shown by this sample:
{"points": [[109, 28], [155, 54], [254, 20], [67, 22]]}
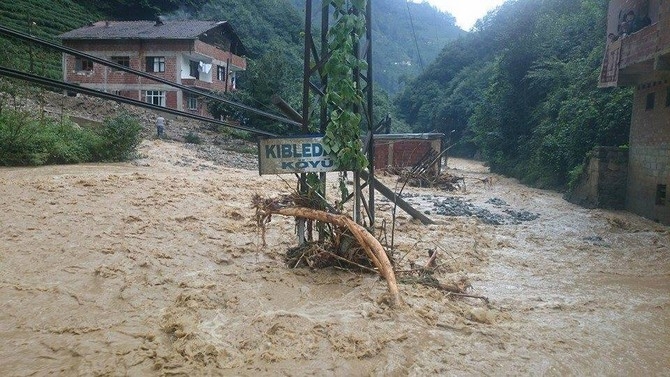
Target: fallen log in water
{"points": [[373, 249]]}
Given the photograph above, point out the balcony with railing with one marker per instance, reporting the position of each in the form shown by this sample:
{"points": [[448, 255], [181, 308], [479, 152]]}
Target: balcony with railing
{"points": [[639, 47], [638, 42], [236, 62], [630, 55], [197, 83]]}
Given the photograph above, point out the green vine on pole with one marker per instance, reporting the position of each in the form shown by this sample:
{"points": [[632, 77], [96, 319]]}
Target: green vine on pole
{"points": [[343, 95]]}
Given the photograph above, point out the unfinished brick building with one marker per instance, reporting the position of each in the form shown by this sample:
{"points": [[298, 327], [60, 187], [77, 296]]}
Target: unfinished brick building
{"points": [[408, 150], [638, 55], [202, 54]]}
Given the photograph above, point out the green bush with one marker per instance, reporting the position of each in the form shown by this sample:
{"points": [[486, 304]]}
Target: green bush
{"points": [[575, 175], [67, 143], [17, 139], [120, 137], [25, 140]]}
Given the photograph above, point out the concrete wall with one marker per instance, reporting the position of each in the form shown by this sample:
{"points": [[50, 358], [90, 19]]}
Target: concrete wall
{"points": [[639, 47], [649, 156], [603, 182]]}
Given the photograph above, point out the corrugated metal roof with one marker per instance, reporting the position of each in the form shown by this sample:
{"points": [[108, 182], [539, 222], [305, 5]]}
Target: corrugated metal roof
{"points": [[190, 29]]}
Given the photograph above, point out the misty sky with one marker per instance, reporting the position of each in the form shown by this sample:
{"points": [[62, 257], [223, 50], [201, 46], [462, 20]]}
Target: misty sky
{"points": [[465, 11]]}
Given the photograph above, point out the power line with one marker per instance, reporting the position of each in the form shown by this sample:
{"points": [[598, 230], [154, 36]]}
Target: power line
{"points": [[120, 67], [96, 93], [416, 42]]}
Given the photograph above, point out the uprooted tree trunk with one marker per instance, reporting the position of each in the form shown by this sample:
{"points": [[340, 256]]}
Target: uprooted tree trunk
{"points": [[373, 249]]}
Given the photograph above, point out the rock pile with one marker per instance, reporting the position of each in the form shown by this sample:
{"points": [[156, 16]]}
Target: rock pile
{"points": [[496, 214]]}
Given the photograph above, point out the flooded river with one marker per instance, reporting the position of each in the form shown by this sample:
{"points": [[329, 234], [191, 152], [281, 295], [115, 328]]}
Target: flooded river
{"points": [[157, 268]]}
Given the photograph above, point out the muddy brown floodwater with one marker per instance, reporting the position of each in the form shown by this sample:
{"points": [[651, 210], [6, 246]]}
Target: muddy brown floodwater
{"points": [[156, 268]]}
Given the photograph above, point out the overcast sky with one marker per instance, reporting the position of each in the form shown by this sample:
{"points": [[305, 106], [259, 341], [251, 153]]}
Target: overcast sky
{"points": [[465, 11]]}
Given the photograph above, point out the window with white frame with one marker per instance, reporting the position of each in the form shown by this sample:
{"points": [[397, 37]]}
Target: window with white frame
{"points": [[220, 73], [192, 102], [155, 64], [155, 97]]}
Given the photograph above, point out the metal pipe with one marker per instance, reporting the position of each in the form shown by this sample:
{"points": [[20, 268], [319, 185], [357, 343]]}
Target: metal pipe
{"points": [[285, 108], [369, 110]]}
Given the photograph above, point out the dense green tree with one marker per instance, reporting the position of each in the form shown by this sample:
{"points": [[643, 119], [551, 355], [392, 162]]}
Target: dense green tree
{"points": [[140, 9], [275, 72], [522, 90], [397, 55], [272, 32], [260, 24]]}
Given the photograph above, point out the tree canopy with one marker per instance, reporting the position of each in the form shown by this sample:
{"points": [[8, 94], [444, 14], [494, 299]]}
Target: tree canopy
{"points": [[521, 90]]}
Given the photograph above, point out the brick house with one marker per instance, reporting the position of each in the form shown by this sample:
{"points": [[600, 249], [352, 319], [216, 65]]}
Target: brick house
{"points": [[202, 54], [638, 56], [408, 150]]}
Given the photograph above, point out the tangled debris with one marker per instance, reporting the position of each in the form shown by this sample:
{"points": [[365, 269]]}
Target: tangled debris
{"points": [[426, 173], [445, 182], [424, 275], [424, 178], [343, 232], [347, 255], [348, 245]]}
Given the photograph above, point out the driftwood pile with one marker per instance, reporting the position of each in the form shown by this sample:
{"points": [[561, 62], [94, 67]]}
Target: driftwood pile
{"points": [[345, 254], [346, 244], [425, 174], [445, 182], [343, 232]]}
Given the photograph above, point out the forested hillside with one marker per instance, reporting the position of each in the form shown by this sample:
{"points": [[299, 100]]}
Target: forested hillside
{"points": [[521, 90], [265, 26], [273, 28], [398, 57], [270, 29]]}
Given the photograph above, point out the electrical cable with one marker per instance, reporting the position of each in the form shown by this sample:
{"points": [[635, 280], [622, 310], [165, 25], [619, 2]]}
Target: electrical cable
{"points": [[416, 42], [120, 67], [96, 93]]}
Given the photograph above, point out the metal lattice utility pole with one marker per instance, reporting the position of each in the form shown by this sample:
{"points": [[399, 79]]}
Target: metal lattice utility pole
{"points": [[315, 82]]}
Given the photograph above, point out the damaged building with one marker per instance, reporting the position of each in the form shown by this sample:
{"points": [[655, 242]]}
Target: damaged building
{"points": [[637, 55]]}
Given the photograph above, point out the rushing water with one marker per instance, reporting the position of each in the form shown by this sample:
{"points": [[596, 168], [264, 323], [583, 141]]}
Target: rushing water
{"points": [[158, 269]]}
